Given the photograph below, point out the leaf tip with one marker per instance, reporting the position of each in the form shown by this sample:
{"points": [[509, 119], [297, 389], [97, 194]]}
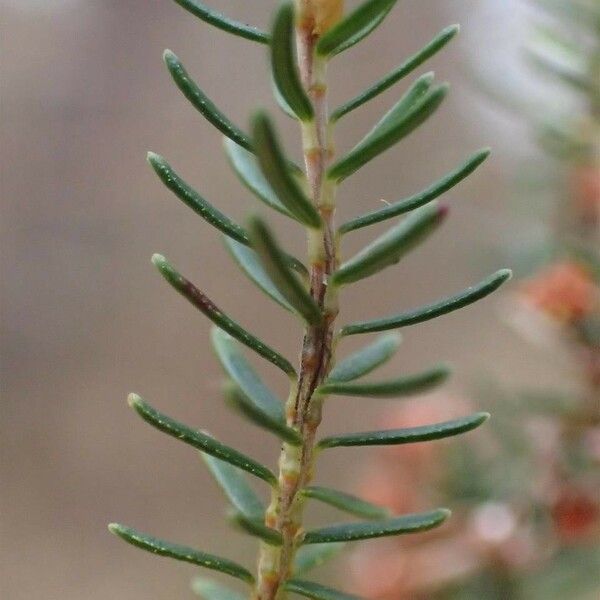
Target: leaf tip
{"points": [[116, 529], [169, 57]]}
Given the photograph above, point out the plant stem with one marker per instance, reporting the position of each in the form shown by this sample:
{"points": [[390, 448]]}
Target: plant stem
{"points": [[304, 406]]}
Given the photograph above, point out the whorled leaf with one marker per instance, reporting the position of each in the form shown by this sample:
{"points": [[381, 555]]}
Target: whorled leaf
{"points": [[315, 555], [207, 589], [316, 591], [346, 502], [256, 528]]}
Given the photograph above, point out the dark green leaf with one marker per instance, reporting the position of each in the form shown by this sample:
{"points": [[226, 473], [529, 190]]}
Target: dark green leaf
{"points": [[189, 291], [407, 67], [190, 197], [354, 27], [393, 437], [208, 589], [284, 65], [402, 386], [202, 103], [276, 170], [163, 548], [247, 259], [273, 260], [257, 529], [431, 193], [199, 440], [315, 555], [350, 532], [391, 129], [236, 487], [389, 248], [212, 17], [346, 502], [366, 359], [315, 591], [431, 311]]}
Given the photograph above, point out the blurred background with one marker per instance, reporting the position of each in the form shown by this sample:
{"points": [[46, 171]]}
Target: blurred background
{"points": [[86, 319]]}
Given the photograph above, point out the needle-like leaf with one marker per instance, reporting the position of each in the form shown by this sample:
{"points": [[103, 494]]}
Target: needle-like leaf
{"points": [[202, 102], [273, 260], [315, 555], [316, 591], [389, 248], [284, 65], [199, 440], [434, 310], [350, 532], [207, 589], [354, 27], [411, 435], [407, 67], [189, 291], [402, 386], [164, 548], [420, 199], [276, 170], [346, 502], [256, 528], [212, 17]]}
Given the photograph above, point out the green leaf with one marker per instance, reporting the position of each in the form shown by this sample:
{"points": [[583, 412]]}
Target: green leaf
{"points": [[241, 403], [288, 284], [350, 532], [246, 168], [205, 305], [220, 21], [366, 359], [235, 486], [315, 591], [402, 386], [420, 199], [394, 437], [276, 170], [407, 67], [257, 529], [354, 27], [164, 548], [313, 556], [202, 103], [199, 440], [284, 64], [191, 198], [389, 248], [394, 126], [346, 502], [252, 267], [208, 589], [431, 311]]}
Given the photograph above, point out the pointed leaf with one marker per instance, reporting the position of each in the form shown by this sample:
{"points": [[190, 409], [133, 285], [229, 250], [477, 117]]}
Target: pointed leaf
{"points": [[212, 17], [205, 305], [366, 359], [273, 260], [407, 67], [354, 27], [164, 548], [316, 591], [257, 529], [411, 435], [202, 103], [208, 589], [431, 311], [315, 555], [390, 130], [276, 170], [191, 198], [424, 197], [284, 64], [241, 403], [236, 487], [346, 502], [389, 248], [199, 440], [402, 386], [350, 532], [251, 265], [282, 103]]}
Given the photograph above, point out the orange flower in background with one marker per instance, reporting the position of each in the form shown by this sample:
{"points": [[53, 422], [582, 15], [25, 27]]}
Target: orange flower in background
{"points": [[565, 292], [576, 514]]}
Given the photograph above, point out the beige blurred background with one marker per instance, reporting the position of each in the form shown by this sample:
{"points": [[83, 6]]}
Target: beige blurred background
{"points": [[85, 319]]}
